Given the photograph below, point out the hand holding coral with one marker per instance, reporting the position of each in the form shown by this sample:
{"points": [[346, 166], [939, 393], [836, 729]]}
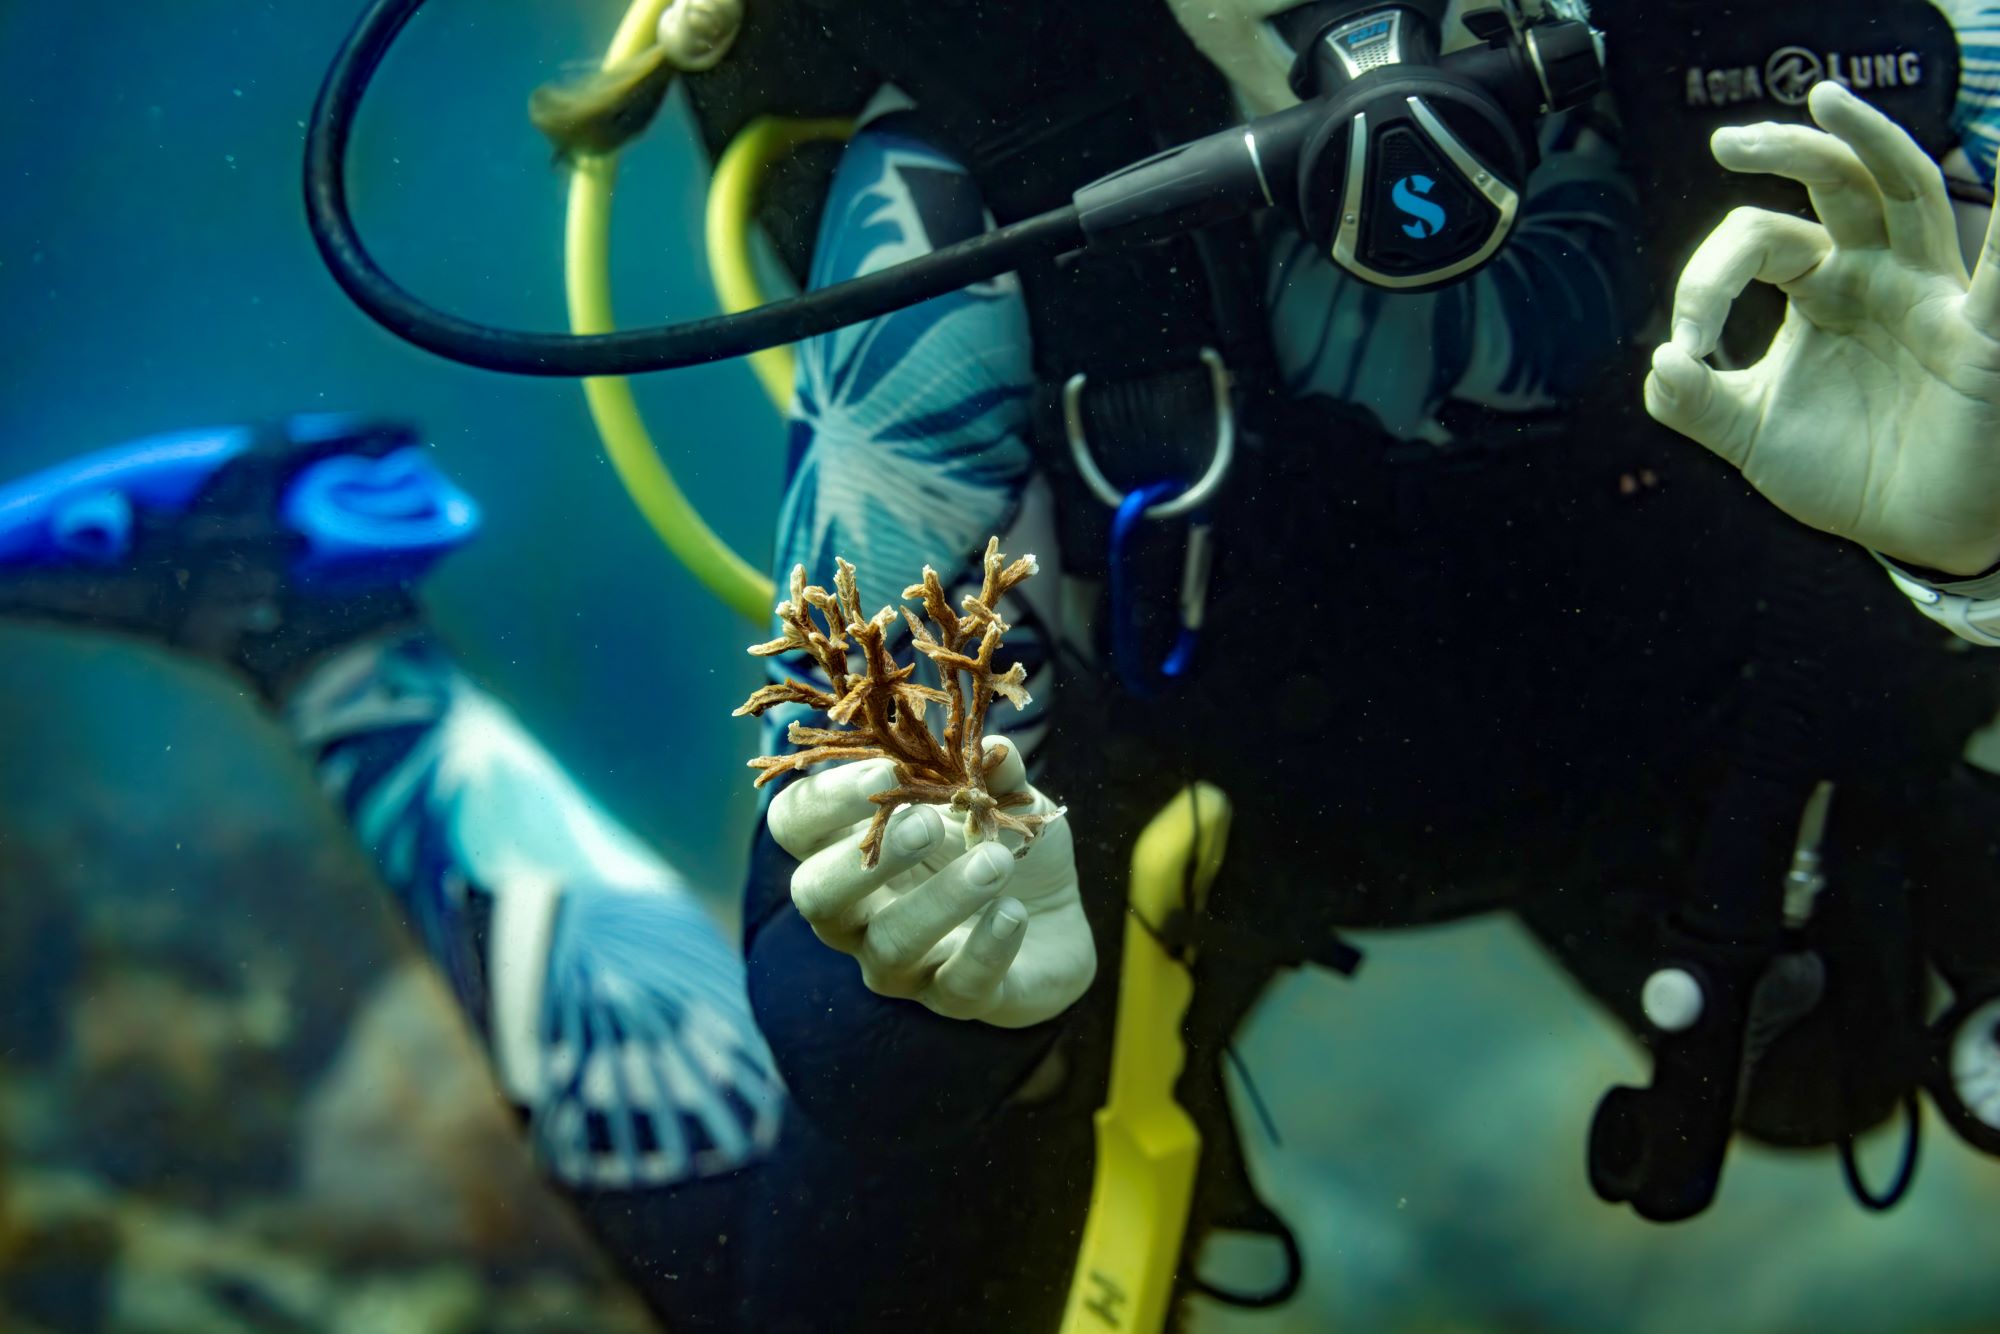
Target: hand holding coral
{"points": [[1875, 414], [974, 933], [906, 848]]}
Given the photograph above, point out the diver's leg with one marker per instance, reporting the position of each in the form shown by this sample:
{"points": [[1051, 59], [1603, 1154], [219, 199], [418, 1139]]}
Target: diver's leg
{"points": [[580, 955], [612, 1005]]}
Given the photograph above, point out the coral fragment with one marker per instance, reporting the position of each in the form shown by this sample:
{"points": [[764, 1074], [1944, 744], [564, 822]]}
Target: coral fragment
{"points": [[879, 712]]}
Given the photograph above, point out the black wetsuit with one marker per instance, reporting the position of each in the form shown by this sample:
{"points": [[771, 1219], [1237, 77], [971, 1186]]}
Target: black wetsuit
{"points": [[1435, 682]]}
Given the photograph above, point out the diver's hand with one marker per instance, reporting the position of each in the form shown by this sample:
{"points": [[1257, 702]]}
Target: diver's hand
{"points": [[1875, 414], [971, 933]]}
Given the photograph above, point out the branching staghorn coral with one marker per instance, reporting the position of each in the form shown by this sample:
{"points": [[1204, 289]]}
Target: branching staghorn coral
{"points": [[878, 712]]}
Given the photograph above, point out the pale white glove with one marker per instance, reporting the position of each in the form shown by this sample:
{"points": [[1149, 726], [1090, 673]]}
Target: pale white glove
{"points": [[972, 934], [1875, 414]]}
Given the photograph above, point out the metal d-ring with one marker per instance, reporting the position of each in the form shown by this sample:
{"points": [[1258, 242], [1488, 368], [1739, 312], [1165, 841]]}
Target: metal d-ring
{"points": [[1194, 496]]}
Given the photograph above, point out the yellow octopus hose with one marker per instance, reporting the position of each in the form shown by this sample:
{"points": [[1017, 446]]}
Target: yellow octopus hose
{"points": [[634, 456], [732, 200]]}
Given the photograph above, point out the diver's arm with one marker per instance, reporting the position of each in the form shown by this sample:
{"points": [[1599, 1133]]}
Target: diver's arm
{"points": [[910, 447], [1523, 334], [1875, 414]]}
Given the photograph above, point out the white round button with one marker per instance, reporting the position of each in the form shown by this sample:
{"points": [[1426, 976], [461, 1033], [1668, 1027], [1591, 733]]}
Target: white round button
{"points": [[1975, 1063], [1671, 999]]}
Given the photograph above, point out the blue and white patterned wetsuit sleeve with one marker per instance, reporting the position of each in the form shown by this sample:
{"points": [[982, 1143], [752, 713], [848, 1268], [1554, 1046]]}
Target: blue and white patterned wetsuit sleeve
{"points": [[909, 435], [613, 1007], [1969, 608], [1523, 334], [909, 446], [1976, 115]]}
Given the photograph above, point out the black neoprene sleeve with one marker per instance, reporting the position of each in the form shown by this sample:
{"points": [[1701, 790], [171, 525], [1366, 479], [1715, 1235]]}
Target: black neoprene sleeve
{"points": [[867, 1069]]}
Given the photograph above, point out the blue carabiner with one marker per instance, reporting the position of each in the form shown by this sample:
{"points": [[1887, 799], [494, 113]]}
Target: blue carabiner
{"points": [[1139, 681]]}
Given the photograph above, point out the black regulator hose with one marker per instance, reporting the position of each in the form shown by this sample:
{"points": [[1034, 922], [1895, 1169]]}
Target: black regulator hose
{"points": [[633, 351]]}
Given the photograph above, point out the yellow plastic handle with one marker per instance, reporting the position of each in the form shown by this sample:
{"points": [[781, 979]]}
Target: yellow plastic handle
{"points": [[1147, 1145]]}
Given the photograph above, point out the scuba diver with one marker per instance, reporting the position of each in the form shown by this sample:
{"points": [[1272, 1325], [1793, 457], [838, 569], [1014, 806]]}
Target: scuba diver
{"points": [[610, 1002], [1458, 630], [1369, 538]]}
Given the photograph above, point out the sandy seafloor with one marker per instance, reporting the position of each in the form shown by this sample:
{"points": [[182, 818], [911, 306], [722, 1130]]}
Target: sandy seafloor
{"points": [[230, 1095]]}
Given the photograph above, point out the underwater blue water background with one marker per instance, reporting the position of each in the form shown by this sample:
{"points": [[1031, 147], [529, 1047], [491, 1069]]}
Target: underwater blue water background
{"points": [[158, 267], [155, 274]]}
